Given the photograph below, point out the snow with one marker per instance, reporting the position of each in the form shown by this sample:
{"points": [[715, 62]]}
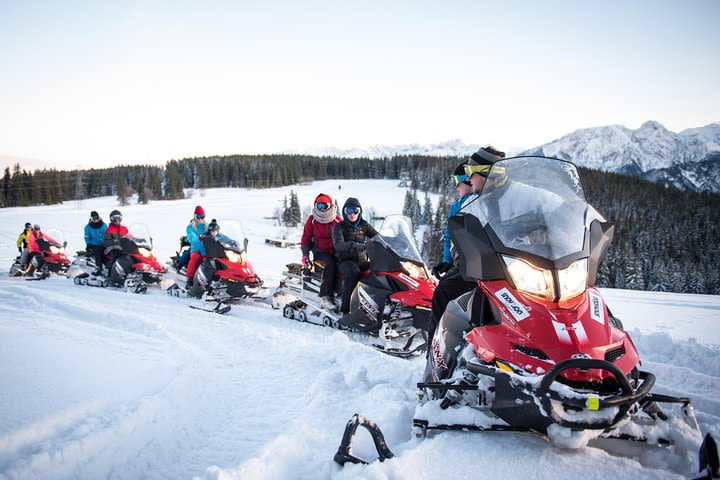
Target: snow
{"points": [[98, 383]]}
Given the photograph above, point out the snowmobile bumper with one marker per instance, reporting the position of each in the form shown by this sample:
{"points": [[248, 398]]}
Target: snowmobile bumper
{"points": [[623, 401], [344, 453]]}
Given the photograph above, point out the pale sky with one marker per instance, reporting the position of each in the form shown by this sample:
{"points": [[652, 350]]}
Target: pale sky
{"points": [[96, 83]]}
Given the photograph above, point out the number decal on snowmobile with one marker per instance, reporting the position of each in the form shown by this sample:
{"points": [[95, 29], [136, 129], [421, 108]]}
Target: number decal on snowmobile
{"points": [[596, 308], [562, 332], [409, 280], [516, 308]]}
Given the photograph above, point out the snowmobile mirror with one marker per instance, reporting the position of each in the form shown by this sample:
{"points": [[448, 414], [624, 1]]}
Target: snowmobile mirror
{"points": [[65, 244], [245, 244]]}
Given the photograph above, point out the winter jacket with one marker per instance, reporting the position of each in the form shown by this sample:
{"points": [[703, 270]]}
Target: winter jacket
{"points": [[454, 208], [95, 233], [32, 241], [349, 238], [194, 230], [112, 237], [318, 236], [23, 239]]}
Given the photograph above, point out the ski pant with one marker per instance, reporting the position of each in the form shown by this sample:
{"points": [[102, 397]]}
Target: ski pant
{"points": [[96, 251], [24, 256], [195, 258], [450, 286], [350, 270], [329, 271], [184, 258]]}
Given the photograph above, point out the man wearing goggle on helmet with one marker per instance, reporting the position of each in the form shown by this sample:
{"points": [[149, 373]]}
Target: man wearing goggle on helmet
{"points": [[113, 233], [452, 285], [317, 237]]}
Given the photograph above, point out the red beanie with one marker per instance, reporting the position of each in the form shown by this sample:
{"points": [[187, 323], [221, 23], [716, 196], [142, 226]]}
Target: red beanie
{"points": [[199, 210], [323, 198]]}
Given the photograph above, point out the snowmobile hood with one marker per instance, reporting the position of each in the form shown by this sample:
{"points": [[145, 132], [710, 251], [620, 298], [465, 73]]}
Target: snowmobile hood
{"points": [[534, 336]]}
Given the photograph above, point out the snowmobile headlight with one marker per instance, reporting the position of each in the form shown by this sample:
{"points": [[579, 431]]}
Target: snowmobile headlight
{"points": [[573, 279], [145, 252], [414, 271], [529, 278], [57, 250], [233, 256]]}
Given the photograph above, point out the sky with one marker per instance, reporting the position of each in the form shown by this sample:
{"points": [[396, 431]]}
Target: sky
{"points": [[96, 84]]}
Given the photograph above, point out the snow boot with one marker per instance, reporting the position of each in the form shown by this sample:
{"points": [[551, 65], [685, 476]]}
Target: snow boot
{"points": [[328, 303]]}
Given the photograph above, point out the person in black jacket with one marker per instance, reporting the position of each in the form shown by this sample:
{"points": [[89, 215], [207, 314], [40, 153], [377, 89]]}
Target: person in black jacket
{"points": [[349, 237]]}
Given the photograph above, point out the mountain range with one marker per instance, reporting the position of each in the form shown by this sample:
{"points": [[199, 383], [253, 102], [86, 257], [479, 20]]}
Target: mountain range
{"points": [[689, 160]]}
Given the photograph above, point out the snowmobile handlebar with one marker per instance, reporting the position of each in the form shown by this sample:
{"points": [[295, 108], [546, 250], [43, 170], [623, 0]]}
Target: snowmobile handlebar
{"points": [[622, 401]]}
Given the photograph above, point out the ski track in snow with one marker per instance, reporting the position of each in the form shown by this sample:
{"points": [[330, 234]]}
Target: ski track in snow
{"points": [[100, 383]]}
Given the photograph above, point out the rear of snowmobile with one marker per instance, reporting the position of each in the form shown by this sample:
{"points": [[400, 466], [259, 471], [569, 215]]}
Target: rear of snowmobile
{"points": [[533, 347], [391, 301], [226, 276]]}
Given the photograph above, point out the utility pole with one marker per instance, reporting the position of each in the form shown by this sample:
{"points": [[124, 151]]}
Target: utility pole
{"points": [[79, 193]]}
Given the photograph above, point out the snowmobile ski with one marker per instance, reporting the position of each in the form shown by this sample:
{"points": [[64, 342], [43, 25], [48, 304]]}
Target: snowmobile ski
{"points": [[221, 308]]}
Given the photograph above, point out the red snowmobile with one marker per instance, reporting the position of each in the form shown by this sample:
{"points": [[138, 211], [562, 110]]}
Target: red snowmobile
{"points": [[391, 300], [134, 270], [226, 275], [534, 347], [47, 255]]}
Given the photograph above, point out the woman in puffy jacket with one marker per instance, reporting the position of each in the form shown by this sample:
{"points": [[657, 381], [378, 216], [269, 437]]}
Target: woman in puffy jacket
{"points": [[317, 237], [194, 230], [349, 238]]}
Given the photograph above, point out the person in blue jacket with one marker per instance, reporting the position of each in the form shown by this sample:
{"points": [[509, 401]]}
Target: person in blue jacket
{"points": [[94, 240], [464, 190], [194, 230]]}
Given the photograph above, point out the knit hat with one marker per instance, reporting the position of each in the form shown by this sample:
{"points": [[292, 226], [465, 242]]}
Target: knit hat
{"points": [[213, 225], [199, 211], [94, 214], [487, 155], [323, 198]]}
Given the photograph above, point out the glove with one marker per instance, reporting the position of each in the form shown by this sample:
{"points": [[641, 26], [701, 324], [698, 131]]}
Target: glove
{"points": [[440, 268], [360, 247], [20, 249], [306, 260]]}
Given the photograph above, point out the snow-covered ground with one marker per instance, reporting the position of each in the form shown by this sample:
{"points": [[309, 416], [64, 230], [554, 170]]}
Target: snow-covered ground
{"points": [[97, 383]]}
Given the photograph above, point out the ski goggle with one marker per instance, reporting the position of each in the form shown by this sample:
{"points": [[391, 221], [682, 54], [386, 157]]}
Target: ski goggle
{"points": [[36, 228], [116, 218], [322, 206], [458, 179], [481, 169], [352, 210], [199, 216]]}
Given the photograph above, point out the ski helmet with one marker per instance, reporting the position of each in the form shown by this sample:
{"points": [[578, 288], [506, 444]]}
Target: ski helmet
{"points": [[36, 227], [459, 176], [115, 217], [28, 225]]}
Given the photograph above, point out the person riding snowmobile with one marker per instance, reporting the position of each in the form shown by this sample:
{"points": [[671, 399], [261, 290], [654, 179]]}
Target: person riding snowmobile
{"points": [[317, 237], [113, 233], [349, 236], [195, 230], [95, 239], [464, 190], [452, 285], [23, 245]]}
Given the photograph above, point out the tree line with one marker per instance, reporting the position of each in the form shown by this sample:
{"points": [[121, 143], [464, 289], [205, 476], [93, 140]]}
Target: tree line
{"points": [[665, 239]]}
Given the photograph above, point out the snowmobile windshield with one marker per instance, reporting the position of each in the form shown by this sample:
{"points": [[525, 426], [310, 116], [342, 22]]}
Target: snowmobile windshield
{"points": [[140, 234], [396, 232], [54, 237], [231, 235], [536, 205]]}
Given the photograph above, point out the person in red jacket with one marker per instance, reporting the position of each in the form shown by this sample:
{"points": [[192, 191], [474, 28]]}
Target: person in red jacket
{"points": [[317, 237], [112, 237]]}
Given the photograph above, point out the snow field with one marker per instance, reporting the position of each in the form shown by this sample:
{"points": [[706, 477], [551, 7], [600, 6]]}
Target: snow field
{"points": [[98, 383]]}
